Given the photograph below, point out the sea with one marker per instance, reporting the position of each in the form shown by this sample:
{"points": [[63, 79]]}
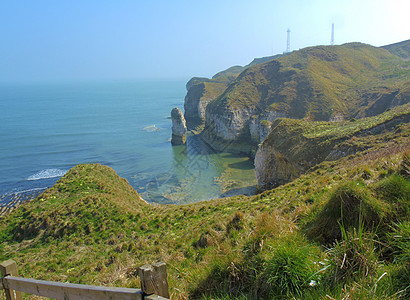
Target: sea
{"points": [[48, 128]]}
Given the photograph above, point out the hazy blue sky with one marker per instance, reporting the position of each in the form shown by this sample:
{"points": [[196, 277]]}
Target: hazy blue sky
{"points": [[123, 39]]}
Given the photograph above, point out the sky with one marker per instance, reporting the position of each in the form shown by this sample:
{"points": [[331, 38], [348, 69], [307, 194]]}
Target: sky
{"points": [[49, 40]]}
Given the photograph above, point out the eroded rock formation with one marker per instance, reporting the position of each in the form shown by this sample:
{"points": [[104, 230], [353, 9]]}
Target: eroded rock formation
{"points": [[179, 128]]}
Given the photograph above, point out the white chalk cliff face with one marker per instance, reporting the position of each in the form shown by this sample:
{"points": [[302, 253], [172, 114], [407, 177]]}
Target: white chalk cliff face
{"points": [[228, 124], [227, 129], [241, 116], [179, 128], [273, 167]]}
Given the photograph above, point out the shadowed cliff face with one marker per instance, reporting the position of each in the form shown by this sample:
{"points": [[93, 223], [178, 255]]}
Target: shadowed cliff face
{"points": [[324, 83], [200, 93]]}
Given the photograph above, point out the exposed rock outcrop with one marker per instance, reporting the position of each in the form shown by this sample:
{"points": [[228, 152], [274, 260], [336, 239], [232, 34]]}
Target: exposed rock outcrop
{"points": [[196, 80], [240, 117], [200, 93], [179, 128], [224, 130], [294, 146]]}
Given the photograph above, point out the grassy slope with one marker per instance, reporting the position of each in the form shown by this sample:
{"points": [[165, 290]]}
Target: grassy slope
{"points": [[92, 227], [401, 49], [311, 142], [320, 82]]}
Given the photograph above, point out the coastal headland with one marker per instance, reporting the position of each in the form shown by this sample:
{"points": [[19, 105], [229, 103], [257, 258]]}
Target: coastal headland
{"points": [[328, 129]]}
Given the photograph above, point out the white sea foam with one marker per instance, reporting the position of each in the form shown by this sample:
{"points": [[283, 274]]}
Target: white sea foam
{"points": [[151, 128], [47, 173]]}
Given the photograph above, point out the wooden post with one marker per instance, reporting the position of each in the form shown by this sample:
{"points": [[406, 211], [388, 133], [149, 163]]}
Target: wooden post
{"points": [[154, 279], [9, 267]]}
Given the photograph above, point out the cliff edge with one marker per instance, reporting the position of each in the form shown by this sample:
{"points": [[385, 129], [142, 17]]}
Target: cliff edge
{"points": [[201, 91], [294, 146], [322, 83]]}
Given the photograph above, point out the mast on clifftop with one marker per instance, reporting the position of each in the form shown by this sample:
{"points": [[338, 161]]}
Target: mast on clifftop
{"points": [[288, 42], [332, 38]]}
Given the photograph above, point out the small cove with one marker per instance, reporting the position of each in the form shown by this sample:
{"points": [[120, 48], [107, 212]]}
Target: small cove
{"points": [[48, 128]]}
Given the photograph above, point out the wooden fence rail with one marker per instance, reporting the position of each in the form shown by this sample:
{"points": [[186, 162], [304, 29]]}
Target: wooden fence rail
{"points": [[154, 286]]}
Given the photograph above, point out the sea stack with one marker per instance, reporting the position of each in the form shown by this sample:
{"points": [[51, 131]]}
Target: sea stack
{"points": [[178, 127]]}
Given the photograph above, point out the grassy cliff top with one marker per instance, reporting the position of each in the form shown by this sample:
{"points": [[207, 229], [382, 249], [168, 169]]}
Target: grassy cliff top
{"points": [[214, 87], [336, 130], [93, 228], [77, 204], [319, 82]]}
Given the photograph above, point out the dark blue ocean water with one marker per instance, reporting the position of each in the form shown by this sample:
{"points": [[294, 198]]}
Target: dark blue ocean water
{"points": [[46, 129]]}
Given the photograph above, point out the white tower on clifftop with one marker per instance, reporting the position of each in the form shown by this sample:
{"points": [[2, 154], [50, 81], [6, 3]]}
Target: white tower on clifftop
{"points": [[288, 42], [332, 38]]}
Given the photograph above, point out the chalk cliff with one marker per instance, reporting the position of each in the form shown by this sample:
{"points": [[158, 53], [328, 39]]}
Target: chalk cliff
{"points": [[201, 91], [264, 109], [323, 83], [199, 94], [179, 128], [294, 146]]}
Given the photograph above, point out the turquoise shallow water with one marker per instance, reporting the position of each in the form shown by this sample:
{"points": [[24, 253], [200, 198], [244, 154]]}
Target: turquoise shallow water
{"points": [[46, 129]]}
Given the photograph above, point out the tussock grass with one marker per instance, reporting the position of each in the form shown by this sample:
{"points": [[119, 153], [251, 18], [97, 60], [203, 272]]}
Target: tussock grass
{"points": [[349, 205], [290, 269], [354, 257]]}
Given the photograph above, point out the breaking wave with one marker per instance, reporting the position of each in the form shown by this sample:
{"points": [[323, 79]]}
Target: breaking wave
{"points": [[47, 173]]}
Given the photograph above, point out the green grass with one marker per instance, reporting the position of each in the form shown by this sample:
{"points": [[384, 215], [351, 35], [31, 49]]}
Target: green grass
{"points": [[350, 82], [340, 230], [294, 146], [290, 270], [400, 49], [351, 205], [93, 228], [320, 82], [337, 130]]}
